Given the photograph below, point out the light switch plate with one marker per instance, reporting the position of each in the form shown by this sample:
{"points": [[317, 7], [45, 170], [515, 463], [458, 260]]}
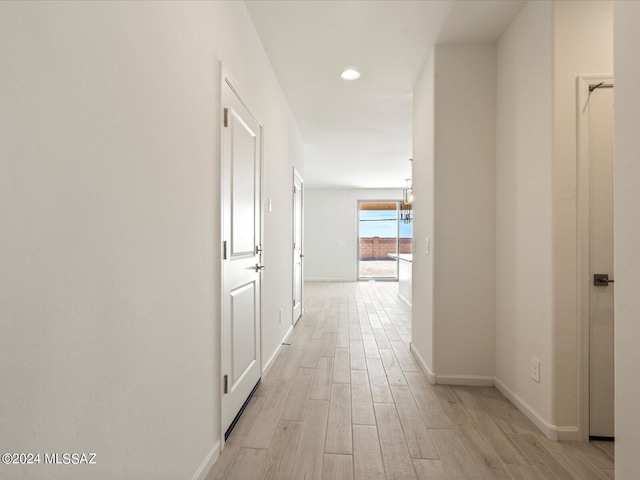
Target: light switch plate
{"points": [[535, 369]]}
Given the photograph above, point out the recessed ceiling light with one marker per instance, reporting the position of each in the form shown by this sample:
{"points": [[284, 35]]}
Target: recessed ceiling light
{"points": [[350, 74]]}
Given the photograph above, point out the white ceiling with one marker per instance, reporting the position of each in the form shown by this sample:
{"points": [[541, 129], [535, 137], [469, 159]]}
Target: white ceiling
{"points": [[358, 133]]}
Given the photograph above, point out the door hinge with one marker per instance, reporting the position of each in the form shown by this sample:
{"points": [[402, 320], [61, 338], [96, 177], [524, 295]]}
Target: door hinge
{"points": [[294, 302], [224, 250], [226, 117], [226, 384]]}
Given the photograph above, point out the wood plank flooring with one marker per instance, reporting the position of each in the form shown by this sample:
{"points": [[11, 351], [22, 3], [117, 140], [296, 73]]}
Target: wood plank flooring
{"points": [[346, 400]]}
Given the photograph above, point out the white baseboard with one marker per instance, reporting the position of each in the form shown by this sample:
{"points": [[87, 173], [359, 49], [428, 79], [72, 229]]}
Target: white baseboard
{"points": [[287, 335], [267, 365], [568, 434], [552, 432], [207, 463], [404, 300], [423, 365], [469, 380], [330, 279]]}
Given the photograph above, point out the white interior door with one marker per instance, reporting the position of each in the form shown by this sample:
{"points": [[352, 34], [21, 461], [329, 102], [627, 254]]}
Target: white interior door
{"points": [[601, 378], [241, 271], [298, 212]]}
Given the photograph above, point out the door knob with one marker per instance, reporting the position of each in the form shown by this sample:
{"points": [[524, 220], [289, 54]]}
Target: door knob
{"points": [[601, 279], [259, 267]]}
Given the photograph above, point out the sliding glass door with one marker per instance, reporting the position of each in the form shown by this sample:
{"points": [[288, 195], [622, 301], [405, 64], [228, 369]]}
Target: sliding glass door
{"points": [[378, 227]]}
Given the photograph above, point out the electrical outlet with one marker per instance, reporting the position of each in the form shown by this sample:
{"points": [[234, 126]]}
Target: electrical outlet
{"points": [[535, 369], [280, 316]]}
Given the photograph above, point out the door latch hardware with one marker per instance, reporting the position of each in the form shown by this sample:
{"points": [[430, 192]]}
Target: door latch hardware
{"points": [[224, 250], [601, 279], [226, 384], [226, 117]]}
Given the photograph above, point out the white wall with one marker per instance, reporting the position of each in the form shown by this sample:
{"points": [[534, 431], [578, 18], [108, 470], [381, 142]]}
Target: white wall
{"points": [[454, 143], [423, 213], [283, 150], [627, 238], [109, 199], [330, 231], [464, 230], [513, 220], [539, 58], [583, 45], [524, 168]]}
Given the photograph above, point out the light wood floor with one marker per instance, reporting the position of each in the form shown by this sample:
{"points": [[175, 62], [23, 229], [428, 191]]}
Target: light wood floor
{"points": [[346, 400]]}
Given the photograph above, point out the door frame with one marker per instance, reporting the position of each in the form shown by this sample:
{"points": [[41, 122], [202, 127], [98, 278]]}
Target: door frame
{"points": [[226, 77], [583, 280], [377, 279], [298, 177]]}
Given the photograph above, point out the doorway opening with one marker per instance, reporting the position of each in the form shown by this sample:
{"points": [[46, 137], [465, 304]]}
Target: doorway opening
{"points": [[382, 237]]}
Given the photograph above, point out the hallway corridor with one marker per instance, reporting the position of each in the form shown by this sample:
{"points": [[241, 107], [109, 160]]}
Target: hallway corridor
{"points": [[345, 399]]}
